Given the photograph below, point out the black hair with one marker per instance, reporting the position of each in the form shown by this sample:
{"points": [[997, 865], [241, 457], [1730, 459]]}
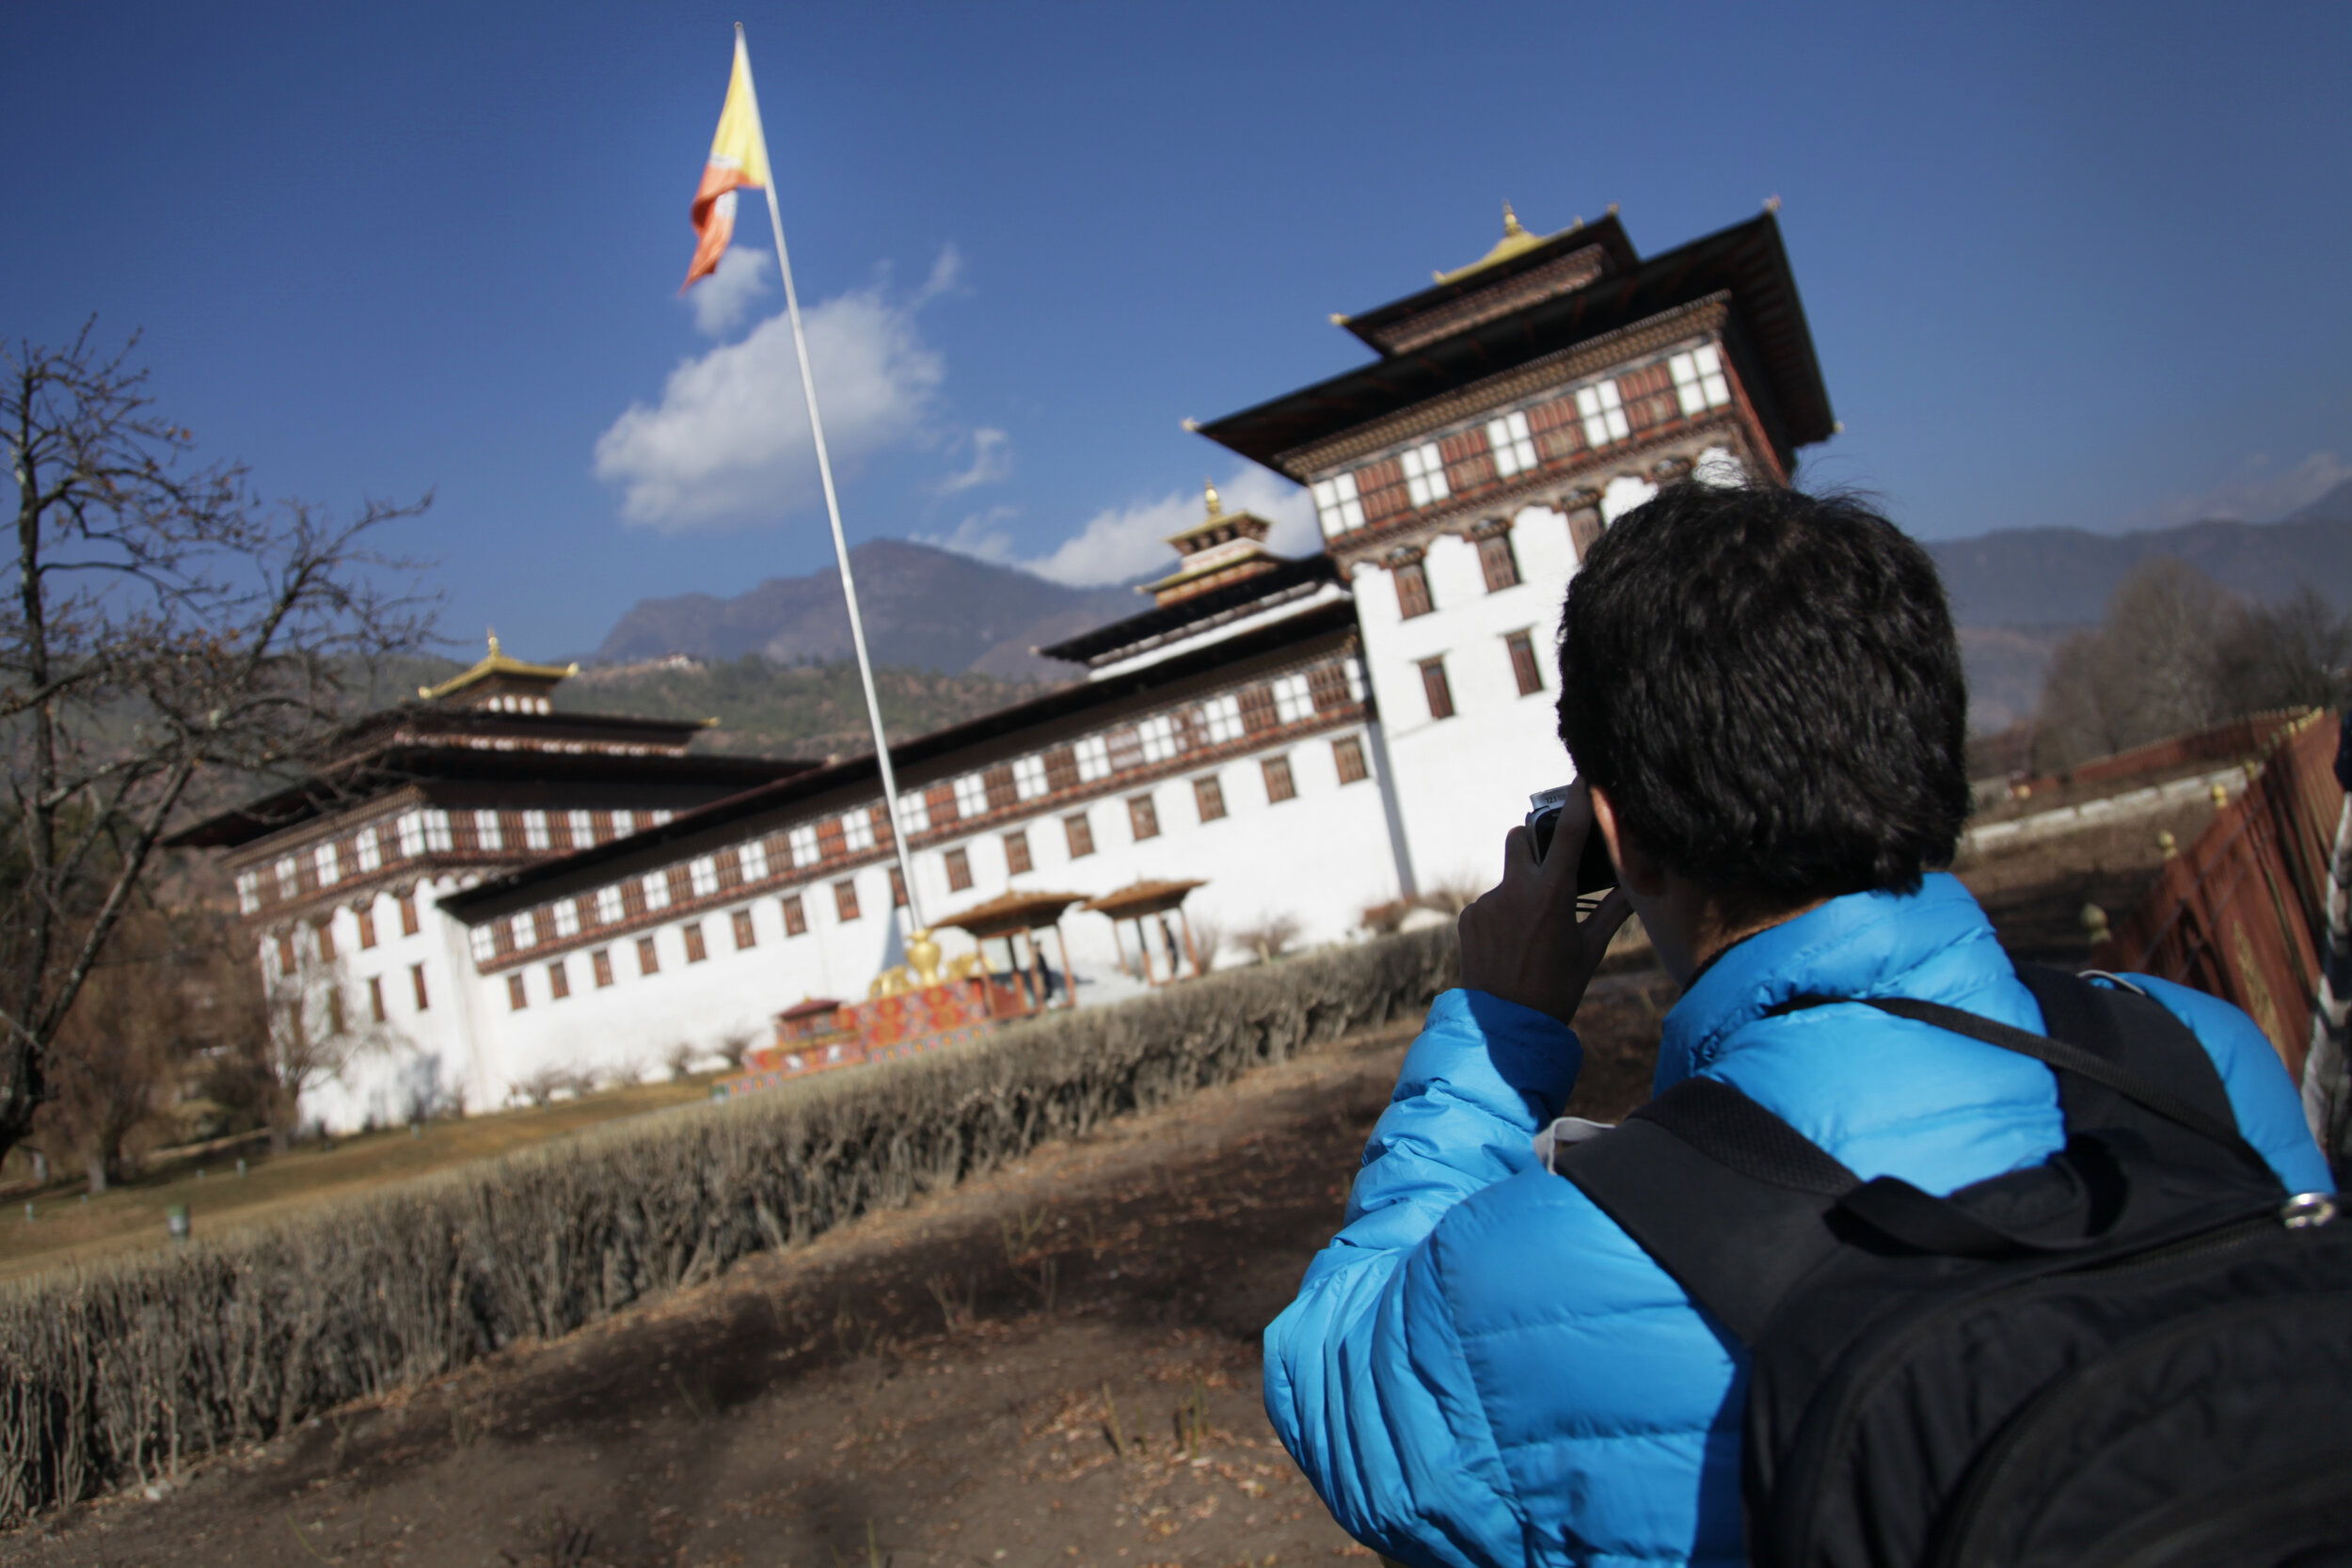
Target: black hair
{"points": [[1767, 684]]}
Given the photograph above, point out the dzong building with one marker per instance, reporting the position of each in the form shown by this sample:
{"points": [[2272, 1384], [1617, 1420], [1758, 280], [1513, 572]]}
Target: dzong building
{"points": [[480, 890]]}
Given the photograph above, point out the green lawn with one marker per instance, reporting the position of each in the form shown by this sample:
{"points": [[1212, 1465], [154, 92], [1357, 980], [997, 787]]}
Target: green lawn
{"points": [[67, 1227]]}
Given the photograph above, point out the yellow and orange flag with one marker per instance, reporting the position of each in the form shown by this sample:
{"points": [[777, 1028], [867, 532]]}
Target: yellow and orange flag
{"points": [[738, 161]]}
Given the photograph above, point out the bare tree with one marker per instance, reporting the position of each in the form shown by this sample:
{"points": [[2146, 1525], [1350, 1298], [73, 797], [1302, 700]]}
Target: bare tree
{"points": [[113, 1064], [162, 622], [2291, 653], [2146, 672]]}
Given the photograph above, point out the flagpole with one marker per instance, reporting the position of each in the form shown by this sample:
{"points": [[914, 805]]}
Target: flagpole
{"points": [[832, 505]]}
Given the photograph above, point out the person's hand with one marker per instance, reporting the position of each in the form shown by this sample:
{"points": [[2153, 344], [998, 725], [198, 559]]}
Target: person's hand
{"points": [[1522, 942]]}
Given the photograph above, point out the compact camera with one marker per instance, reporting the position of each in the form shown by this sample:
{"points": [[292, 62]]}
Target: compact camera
{"points": [[1595, 872]]}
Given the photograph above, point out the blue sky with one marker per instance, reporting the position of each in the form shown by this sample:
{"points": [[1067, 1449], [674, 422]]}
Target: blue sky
{"points": [[2080, 267]]}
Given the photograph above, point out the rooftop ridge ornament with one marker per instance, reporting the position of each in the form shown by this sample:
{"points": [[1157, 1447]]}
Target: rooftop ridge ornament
{"points": [[1216, 507], [1516, 240], [495, 663]]}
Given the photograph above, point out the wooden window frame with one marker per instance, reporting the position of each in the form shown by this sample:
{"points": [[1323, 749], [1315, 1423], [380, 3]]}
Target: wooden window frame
{"points": [[407, 902], [746, 934], [1079, 834], [417, 984], [600, 967], [518, 993], [795, 916], [697, 948], [1017, 857], [959, 865], [1143, 818], [649, 957], [1412, 590], [1497, 562], [1281, 783], [376, 998], [1208, 798], [1348, 759], [1436, 688], [559, 981], [1524, 668], [845, 900]]}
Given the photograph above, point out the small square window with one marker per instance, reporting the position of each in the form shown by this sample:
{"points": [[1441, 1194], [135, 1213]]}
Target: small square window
{"points": [[1436, 688], [1699, 380], [1080, 834], [1603, 413], [744, 934], [1512, 444], [795, 916], [1425, 475], [1412, 590], [517, 994], [559, 980], [1495, 559], [1143, 817], [1337, 505], [648, 959], [695, 951], [1523, 666], [845, 900], [1017, 853], [1208, 798], [1293, 698], [1279, 786], [1028, 777], [1347, 755], [959, 865], [376, 997]]}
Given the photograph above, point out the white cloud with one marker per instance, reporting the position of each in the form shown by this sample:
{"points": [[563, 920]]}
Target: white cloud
{"points": [[723, 300], [728, 442], [2258, 490], [991, 463], [980, 536], [1121, 543]]}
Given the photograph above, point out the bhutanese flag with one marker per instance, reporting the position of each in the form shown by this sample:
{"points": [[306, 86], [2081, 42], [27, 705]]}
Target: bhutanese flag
{"points": [[739, 160]]}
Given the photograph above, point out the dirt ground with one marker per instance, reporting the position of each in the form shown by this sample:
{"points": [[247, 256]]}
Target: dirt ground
{"points": [[1057, 1364]]}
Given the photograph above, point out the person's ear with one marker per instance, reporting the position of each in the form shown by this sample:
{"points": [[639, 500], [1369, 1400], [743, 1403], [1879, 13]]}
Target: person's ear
{"points": [[1636, 869]]}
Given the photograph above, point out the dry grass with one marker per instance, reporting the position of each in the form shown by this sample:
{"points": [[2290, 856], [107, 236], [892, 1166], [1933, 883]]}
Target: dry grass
{"points": [[130, 1218], [124, 1372]]}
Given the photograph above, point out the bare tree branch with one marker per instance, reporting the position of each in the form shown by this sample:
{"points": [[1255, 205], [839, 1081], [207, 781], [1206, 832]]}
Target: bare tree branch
{"points": [[161, 622]]}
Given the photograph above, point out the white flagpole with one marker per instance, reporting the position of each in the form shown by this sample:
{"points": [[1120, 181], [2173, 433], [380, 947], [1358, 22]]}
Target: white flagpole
{"points": [[832, 505]]}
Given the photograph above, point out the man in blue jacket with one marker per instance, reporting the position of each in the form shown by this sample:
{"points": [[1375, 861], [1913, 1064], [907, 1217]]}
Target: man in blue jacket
{"points": [[1762, 696]]}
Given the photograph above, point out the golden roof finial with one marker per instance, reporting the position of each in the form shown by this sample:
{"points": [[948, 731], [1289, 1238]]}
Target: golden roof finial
{"points": [[1216, 507], [1515, 241], [494, 641]]}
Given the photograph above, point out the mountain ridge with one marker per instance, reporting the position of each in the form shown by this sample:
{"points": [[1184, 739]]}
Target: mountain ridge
{"points": [[924, 608]]}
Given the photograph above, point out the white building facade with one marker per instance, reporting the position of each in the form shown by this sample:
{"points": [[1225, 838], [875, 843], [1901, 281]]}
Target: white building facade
{"points": [[1312, 740]]}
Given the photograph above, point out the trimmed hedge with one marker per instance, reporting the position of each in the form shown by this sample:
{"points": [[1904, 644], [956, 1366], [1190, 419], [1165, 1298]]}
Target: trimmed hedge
{"points": [[124, 1372]]}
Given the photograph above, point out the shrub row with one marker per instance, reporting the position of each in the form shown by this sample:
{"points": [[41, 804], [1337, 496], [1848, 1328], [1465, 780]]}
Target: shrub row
{"points": [[122, 1373]]}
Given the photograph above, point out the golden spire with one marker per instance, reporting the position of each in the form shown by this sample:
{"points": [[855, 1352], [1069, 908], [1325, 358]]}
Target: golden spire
{"points": [[494, 641], [1515, 241], [1216, 507]]}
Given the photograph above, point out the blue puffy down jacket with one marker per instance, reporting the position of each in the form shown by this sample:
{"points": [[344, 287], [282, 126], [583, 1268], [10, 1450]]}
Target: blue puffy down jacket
{"points": [[1483, 1368]]}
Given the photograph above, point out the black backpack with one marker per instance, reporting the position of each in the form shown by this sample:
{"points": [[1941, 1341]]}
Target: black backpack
{"points": [[2137, 1354]]}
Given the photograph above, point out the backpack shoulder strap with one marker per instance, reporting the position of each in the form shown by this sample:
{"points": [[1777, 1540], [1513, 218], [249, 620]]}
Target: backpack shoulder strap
{"points": [[1726, 1198]]}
